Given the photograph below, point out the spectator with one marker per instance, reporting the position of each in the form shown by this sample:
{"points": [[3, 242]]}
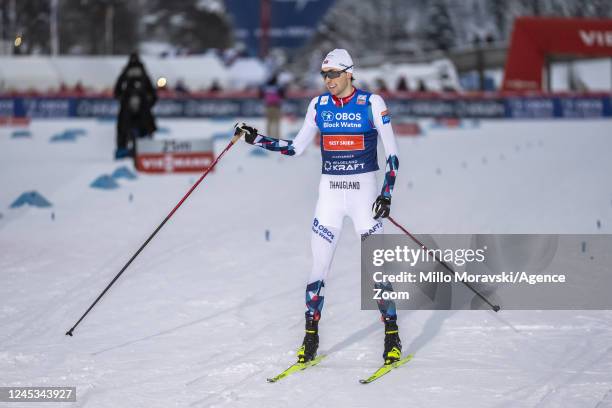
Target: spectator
{"points": [[421, 87], [381, 85], [79, 88], [180, 87], [402, 84], [137, 96], [215, 86], [273, 94]]}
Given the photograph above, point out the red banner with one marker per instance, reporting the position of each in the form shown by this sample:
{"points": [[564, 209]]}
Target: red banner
{"points": [[343, 142], [173, 156], [534, 38], [174, 162]]}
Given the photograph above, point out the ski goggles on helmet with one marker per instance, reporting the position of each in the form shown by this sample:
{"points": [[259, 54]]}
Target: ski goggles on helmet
{"points": [[334, 74]]}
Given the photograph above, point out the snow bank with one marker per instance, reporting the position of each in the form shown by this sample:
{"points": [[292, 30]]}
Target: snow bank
{"points": [[24, 73], [436, 76]]}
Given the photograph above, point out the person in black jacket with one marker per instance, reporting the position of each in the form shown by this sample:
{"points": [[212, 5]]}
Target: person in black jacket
{"points": [[137, 96]]}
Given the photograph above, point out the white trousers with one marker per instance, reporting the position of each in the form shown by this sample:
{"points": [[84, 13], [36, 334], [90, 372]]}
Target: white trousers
{"points": [[341, 196]]}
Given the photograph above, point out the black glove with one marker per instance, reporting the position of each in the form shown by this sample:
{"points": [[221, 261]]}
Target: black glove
{"points": [[250, 133], [381, 207]]}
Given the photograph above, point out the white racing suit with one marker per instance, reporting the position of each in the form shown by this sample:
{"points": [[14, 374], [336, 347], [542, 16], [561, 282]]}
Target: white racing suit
{"points": [[349, 129]]}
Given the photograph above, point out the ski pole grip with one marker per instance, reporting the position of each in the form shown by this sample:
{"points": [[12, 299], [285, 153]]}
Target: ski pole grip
{"points": [[238, 132], [237, 135]]}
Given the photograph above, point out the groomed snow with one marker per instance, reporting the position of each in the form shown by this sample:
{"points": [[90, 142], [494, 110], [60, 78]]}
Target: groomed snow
{"points": [[210, 308]]}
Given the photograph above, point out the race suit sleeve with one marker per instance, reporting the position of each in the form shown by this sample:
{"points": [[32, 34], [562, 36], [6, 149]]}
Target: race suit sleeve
{"points": [[382, 122], [296, 146]]}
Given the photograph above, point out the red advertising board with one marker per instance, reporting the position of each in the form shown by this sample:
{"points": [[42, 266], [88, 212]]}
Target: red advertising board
{"points": [[534, 38], [14, 121], [173, 156]]}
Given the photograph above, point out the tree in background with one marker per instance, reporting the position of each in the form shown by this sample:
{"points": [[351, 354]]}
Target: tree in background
{"points": [[384, 26], [377, 28], [98, 27], [28, 20], [592, 8], [194, 26], [85, 26], [498, 10], [439, 30]]}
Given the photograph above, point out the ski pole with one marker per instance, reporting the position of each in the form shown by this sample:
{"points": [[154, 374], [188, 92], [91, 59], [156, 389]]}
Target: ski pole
{"points": [[495, 308], [237, 135]]}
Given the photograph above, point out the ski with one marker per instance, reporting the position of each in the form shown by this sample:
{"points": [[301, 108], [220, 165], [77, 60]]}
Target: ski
{"points": [[296, 367], [386, 368]]}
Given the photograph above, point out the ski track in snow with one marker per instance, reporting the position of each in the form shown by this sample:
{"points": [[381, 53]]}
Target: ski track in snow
{"points": [[210, 309]]}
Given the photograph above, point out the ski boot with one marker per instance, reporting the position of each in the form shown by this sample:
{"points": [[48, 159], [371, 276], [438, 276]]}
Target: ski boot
{"points": [[393, 344], [308, 350]]}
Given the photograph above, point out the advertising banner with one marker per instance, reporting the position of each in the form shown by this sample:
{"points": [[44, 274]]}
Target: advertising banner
{"points": [[173, 156], [498, 107], [534, 39]]}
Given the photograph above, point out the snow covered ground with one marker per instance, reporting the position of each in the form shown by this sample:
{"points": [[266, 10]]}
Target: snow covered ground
{"points": [[211, 308]]}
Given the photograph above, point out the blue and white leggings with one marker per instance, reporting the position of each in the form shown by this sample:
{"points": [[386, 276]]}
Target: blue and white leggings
{"points": [[341, 196]]}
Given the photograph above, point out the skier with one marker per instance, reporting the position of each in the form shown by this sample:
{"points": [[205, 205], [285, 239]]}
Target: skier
{"points": [[350, 121]]}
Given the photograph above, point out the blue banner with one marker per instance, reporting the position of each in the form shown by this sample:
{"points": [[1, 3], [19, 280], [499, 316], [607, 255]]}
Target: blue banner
{"points": [[531, 107], [291, 22]]}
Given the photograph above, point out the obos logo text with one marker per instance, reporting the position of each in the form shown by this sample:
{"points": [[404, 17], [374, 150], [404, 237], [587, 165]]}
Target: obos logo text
{"points": [[329, 116]]}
